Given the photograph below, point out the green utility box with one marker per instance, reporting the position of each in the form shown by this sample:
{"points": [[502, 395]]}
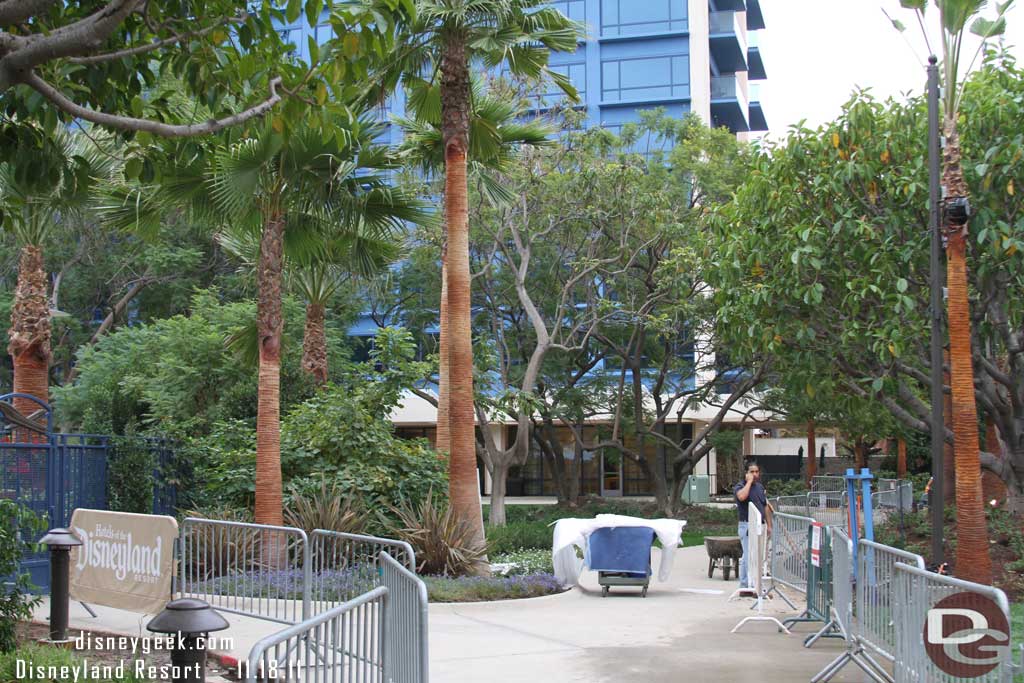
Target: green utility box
{"points": [[697, 489]]}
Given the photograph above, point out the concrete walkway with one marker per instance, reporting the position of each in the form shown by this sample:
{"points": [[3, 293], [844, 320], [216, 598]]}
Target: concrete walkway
{"points": [[680, 632]]}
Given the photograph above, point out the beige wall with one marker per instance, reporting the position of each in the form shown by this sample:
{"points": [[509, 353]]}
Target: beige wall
{"points": [[700, 60]]}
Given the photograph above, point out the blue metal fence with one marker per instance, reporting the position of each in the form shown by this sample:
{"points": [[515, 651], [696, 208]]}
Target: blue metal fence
{"points": [[52, 474]]}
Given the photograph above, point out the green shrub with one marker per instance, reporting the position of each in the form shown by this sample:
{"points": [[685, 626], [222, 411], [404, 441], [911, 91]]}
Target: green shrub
{"points": [[519, 535], [486, 588], [444, 543], [792, 487], [526, 561], [18, 526], [328, 507], [130, 468]]}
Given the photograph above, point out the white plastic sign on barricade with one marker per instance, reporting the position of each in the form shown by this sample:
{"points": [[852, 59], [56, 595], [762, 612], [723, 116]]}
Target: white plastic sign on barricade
{"points": [[126, 560], [816, 530]]}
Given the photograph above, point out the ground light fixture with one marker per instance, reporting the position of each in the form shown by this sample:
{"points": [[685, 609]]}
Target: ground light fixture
{"points": [[59, 542], [190, 621]]}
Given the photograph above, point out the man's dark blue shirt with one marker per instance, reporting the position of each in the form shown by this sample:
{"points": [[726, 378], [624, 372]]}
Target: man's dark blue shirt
{"points": [[756, 496]]}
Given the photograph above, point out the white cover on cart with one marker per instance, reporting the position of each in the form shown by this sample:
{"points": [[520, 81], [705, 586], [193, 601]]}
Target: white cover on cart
{"points": [[572, 533]]}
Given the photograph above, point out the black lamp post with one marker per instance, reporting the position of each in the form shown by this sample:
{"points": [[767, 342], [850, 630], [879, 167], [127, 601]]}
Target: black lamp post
{"points": [[190, 620], [938, 425], [60, 542]]}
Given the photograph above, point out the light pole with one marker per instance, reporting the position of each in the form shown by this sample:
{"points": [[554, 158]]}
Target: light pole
{"points": [[938, 439]]}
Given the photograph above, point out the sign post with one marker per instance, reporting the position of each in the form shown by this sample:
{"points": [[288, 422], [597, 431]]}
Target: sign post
{"points": [[816, 530]]}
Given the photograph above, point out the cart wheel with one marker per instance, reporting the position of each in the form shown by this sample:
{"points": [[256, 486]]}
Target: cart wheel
{"points": [[604, 592], [725, 571], [643, 593], [711, 569]]}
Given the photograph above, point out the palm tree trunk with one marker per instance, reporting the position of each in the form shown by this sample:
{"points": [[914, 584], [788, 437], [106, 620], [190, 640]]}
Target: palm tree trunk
{"points": [[30, 333], [973, 562], [269, 324], [812, 461], [463, 488], [314, 344], [443, 441], [948, 452]]}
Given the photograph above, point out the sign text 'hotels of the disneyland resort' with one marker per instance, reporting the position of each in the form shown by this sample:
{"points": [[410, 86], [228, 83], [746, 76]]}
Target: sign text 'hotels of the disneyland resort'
{"points": [[126, 560]]}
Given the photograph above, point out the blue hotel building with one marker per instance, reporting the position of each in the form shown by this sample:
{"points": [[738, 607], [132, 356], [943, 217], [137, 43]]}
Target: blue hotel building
{"points": [[698, 56]]}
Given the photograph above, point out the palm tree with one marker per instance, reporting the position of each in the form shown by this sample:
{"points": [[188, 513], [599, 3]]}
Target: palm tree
{"points": [[316, 277], [447, 37], [291, 190], [498, 127], [37, 190], [973, 561]]}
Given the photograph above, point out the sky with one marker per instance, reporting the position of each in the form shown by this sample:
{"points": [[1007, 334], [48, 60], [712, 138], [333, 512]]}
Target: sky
{"points": [[816, 52]]}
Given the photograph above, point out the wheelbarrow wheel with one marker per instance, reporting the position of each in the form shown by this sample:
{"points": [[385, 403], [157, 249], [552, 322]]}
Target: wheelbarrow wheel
{"points": [[643, 593], [604, 592], [726, 570], [711, 569]]}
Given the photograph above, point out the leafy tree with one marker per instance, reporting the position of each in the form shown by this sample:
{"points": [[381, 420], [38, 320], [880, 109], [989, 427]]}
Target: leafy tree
{"points": [[18, 529], [176, 377], [446, 38], [182, 69], [823, 260], [972, 529]]}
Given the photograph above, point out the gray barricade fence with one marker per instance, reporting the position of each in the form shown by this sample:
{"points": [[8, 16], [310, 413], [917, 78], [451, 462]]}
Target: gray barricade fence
{"points": [[876, 594], [345, 644], [405, 638], [251, 569], [345, 565], [842, 581], [791, 505], [895, 494], [828, 484], [831, 508], [789, 551], [919, 591]]}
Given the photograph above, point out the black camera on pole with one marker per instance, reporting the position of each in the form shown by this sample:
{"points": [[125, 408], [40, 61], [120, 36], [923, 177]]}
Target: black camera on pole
{"points": [[957, 211]]}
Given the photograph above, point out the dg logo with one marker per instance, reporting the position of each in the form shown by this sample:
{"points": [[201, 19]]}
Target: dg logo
{"points": [[967, 635]]}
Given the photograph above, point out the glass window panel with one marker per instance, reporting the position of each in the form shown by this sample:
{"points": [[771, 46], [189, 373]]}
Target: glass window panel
{"points": [[626, 17], [574, 9], [645, 78]]}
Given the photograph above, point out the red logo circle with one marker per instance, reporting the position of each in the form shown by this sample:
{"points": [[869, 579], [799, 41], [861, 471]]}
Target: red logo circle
{"points": [[966, 635]]}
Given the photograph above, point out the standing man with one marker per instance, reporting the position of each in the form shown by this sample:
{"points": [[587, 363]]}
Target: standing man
{"points": [[750, 491]]}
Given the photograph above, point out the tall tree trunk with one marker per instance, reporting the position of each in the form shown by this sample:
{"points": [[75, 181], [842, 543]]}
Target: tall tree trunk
{"points": [[859, 451], [314, 344], [443, 441], [30, 334], [948, 451], [499, 482], [901, 459], [269, 324], [455, 108], [973, 562], [812, 453]]}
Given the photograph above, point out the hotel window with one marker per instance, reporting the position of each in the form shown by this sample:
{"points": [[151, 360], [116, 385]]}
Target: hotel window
{"points": [[645, 78], [574, 9], [631, 17]]}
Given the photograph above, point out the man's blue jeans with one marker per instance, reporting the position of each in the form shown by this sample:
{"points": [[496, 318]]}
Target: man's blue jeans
{"points": [[742, 531]]}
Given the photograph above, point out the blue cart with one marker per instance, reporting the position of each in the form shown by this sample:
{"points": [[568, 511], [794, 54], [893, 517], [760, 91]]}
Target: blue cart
{"points": [[621, 556]]}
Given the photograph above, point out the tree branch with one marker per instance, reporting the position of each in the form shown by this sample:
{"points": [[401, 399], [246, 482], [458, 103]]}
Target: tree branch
{"points": [[155, 45], [156, 127]]}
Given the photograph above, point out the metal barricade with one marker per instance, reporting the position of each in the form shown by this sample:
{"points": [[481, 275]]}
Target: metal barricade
{"points": [[256, 570], [831, 508], [790, 505], [345, 644], [828, 484], [405, 639], [819, 591], [919, 592], [345, 565], [790, 550], [842, 613], [876, 597]]}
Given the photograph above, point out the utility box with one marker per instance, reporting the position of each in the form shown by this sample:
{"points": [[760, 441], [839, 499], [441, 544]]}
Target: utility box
{"points": [[697, 489]]}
